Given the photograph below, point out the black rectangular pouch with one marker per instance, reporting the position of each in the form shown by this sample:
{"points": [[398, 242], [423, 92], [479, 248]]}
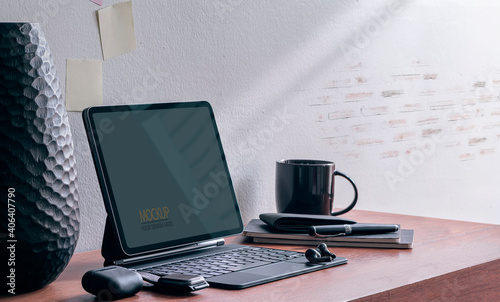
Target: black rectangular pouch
{"points": [[300, 222]]}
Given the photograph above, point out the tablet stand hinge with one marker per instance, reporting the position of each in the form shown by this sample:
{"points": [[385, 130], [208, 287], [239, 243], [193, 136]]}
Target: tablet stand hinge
{"points": [[183, 249]]}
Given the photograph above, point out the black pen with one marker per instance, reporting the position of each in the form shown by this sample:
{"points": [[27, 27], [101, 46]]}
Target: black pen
{"points": [[352, 229]]}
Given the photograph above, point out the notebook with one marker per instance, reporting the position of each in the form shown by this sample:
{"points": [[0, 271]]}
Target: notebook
{"points": [[260, 232], [169, 196]]}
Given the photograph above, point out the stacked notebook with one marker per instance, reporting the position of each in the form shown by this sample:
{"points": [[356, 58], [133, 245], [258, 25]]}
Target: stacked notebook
{"points": [[263, 233]]}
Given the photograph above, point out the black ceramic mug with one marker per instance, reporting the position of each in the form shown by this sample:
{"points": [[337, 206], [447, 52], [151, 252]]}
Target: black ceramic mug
{"points": [[306, 186]]}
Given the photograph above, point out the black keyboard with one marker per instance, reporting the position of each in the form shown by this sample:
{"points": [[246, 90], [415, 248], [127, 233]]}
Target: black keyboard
{"points": [[224, 262]]}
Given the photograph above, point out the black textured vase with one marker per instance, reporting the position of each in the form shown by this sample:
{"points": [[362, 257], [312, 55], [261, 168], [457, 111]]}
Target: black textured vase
{"points": [[39, 194]]}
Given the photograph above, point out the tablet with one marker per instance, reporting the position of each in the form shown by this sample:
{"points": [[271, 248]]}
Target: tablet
{"points": [[163, 174]]}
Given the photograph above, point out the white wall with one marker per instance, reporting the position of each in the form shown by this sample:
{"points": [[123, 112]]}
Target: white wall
{"points": [[402, 95]]}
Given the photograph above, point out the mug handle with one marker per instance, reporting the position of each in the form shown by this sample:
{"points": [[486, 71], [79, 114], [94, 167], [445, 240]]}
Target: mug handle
{"points": [[353, 203]]}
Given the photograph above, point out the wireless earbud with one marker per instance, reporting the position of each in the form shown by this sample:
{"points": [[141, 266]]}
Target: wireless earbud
{"points": [[320, 254], [324, 250]]}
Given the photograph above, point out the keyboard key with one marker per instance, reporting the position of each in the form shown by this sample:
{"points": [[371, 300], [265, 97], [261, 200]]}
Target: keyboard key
{"points": [[158, 273], [259, 259], [223, 263], [247, 266]]}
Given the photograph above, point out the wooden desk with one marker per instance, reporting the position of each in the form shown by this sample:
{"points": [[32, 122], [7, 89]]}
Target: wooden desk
{"points": [[450, 261]]}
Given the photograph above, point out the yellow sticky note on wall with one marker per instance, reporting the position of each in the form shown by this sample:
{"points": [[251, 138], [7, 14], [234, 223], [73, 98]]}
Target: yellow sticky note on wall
{"points": [[116, 27], [83, 84]]}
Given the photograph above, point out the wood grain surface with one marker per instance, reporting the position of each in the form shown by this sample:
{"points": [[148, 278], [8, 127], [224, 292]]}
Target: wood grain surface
{"points": [[451, 260]]}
